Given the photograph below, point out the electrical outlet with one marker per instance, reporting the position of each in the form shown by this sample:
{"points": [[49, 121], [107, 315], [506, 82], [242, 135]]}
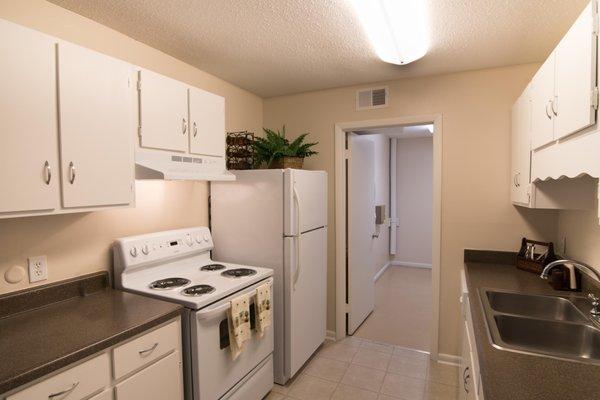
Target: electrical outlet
{"points": [[38, 268]]}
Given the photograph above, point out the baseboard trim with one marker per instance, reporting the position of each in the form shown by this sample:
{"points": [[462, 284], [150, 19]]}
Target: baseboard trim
{"points": [[381, 271], [410, 264], [330, 335], [449, 359]]}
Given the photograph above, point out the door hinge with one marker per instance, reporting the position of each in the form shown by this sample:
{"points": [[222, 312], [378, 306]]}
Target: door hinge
{"points": [[139, 85], [595, 24], [347, 154], [139, 129], [594, 98]]}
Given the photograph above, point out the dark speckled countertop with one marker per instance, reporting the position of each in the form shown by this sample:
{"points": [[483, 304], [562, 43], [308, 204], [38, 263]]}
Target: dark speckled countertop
{"points": [[49, 327], [512, 376]]}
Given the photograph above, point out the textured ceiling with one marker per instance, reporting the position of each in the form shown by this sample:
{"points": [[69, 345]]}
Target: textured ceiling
{"points": [[274, 47]]}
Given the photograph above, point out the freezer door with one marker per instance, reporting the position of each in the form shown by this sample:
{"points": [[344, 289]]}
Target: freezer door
{"points": [[305, 200], [305, 283]]}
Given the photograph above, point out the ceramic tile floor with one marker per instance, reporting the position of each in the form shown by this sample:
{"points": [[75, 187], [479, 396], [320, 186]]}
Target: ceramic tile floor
{"points": [[359, 369]]}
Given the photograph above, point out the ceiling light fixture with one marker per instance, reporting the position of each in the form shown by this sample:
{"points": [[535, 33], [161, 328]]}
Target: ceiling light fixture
{"points": [[397, 29]]}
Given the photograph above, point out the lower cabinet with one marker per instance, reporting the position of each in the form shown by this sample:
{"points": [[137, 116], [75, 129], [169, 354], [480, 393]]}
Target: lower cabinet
{"points": [[469, 378], [149, 372]]}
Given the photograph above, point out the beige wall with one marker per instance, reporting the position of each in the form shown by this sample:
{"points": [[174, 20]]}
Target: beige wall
{"points": [[476, 211], [582, 232], [80, 243], [414, 188], [381, 244]]}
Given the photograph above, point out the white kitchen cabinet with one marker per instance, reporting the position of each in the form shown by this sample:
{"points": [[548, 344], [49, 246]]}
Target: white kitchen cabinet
{"points": [[29, 168], [207, 123], [163, 112], [542, 97], [162, 380], [158, 377], [96, 115], [576, 97], [469, 378], [521, 150]]}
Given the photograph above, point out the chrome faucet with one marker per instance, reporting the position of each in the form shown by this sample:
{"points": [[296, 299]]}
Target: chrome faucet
{"points": [[584, 267]]}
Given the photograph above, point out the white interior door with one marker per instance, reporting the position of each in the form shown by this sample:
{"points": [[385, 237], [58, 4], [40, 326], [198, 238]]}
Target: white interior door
{"points": [[163, 112], [207, 123], [361, 227], [28, 124], [305, 284], [95, 97], [576, 76]]}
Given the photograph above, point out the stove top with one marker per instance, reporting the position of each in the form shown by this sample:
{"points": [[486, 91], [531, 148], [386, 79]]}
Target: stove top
{"points": [[168, 283], [238, 272], [212, 267]]}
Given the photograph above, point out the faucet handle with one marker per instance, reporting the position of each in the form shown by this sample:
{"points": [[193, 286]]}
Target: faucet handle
{"points": [[595, 303]]}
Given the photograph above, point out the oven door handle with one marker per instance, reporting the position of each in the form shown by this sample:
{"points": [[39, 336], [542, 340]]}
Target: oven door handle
{"points": [[210, 313]]}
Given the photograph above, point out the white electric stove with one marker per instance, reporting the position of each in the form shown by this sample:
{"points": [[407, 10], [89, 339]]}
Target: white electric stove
{"points": [[176, 266]]}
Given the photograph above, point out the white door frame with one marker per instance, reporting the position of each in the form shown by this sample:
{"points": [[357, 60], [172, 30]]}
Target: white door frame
{"points": [[340, 215]]}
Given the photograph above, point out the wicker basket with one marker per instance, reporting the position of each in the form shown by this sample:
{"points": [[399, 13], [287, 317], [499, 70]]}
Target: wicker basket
{"points": [[287, 162]]}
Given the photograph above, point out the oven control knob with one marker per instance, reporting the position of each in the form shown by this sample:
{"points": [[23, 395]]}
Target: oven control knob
{"points": [[206, 237], [189, 240], [198, 239], [146, 249], [133, 251]]}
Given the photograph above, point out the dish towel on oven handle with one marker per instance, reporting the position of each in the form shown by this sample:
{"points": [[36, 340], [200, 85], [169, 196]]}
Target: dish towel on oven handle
{"points": [[263, 309], [239, 324]]}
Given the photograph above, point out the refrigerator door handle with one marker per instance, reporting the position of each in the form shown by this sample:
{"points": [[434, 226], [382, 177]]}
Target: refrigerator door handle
{"points": [[297, 236]]}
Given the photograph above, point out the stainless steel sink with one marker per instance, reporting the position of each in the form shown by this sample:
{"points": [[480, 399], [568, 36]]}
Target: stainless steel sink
{"points": [[540, 325], [536, 306]]}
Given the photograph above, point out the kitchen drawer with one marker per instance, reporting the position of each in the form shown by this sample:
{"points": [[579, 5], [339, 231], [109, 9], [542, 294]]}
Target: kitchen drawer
{"points": [[145, 349], [160, 381], [81, 380], [106, 395]]}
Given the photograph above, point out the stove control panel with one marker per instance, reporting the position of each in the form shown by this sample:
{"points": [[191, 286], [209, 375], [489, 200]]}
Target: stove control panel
{"points": [[134, 251]]}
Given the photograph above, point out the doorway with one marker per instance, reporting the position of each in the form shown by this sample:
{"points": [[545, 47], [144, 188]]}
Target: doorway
{"points": [[368, 306]]}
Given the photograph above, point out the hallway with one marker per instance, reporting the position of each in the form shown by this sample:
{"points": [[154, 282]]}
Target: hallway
{"points": [[402, 309]]}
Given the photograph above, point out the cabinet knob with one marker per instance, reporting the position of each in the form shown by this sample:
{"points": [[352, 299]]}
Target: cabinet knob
{"points": [[72, 172], [47, 173], [184, 126]]}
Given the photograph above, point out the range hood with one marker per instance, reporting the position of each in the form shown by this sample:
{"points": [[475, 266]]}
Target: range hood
{"points": [[151, 164]]}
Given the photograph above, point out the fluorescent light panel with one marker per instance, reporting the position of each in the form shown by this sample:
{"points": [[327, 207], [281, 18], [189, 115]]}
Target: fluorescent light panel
{"points": [[397, 29]]}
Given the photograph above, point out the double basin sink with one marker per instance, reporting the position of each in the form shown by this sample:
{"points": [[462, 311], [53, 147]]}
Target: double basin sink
{"points": [[544, 325]]}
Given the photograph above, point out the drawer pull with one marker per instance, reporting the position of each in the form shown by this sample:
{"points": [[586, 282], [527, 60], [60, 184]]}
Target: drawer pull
{"points": [[64, 392], [146, 352]]}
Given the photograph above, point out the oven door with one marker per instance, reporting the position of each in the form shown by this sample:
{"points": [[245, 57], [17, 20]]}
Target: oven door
{"points": [[213, 368]]}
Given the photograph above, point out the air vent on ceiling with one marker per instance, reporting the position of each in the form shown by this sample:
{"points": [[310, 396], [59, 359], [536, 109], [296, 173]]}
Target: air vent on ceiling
{"points": [[367, 99]]}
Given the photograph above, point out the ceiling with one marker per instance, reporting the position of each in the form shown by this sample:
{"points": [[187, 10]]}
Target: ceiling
{"points": [[275, 47], [399, 132]]}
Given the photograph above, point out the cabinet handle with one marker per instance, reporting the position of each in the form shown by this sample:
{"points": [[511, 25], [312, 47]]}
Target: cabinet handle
{"points": [[518, 179], [554, 108], [72, 172], [64, 392], [195, 129], [184, 126], [144, 353], [47, 172], [466, 377], [547, 113]]}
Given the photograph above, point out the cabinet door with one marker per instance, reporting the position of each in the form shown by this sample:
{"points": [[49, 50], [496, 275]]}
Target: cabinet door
{"points": [[28, 123], [163, 112], [524, 148], [465, 366], [542, 94], [207, 119], [96, 128], [160, 381], [514, 152], [576, 76]]}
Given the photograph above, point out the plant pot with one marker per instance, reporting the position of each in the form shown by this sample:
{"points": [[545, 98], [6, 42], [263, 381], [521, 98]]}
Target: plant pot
{"points": [[287, 162]]}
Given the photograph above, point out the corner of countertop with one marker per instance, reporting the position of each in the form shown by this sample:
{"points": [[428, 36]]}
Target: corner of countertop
{"points": [[490, 256]]}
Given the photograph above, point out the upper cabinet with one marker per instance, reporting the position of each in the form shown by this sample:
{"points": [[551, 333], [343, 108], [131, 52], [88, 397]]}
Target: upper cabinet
{"points": [[96, 110], [521, 149], [163, 107], [564, 95], [66, 122], [29, 169], [207, 123]]}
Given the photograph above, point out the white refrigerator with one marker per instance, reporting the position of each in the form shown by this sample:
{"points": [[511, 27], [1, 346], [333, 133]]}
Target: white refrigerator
{"points": [[278, 219]]}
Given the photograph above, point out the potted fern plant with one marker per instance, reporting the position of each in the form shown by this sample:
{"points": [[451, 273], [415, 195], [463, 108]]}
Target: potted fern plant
{"points": [[276, 151]]}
